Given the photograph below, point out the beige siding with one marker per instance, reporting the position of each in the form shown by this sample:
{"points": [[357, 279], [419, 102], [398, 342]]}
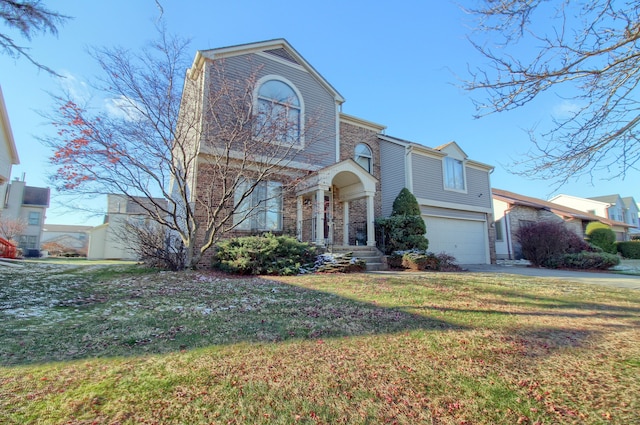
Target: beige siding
{"points": [[428, 183], [392, 174], [319, 104]]}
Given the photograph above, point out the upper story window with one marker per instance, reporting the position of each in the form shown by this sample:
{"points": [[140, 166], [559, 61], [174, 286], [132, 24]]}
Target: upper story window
{"points": [[34, 218], [364, 157], [454, 174], [279, 112]]}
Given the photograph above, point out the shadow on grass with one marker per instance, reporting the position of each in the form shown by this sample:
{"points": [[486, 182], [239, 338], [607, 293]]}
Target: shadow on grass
{"points": [[555, 303], [153, 314]]}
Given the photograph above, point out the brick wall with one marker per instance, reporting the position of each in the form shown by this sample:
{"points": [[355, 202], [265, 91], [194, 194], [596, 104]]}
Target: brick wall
{"points": [[520, 215]]}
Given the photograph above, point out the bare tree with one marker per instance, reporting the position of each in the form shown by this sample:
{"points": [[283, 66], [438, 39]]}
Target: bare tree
{"points": [[11, 228], [28, 18], [585, 52], [164, 134]]}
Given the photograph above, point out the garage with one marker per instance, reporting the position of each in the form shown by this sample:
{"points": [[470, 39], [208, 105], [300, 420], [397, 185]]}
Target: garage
{"points": [[466, 240]]}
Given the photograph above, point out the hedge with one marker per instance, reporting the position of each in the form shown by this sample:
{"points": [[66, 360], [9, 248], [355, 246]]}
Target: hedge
{"points": [[629, 249]]}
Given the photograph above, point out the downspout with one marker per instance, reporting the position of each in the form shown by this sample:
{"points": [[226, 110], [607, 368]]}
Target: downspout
{"points": [[507, 230]]}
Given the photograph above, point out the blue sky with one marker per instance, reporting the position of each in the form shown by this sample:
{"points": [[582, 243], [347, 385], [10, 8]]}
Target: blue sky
{"points": [[397, 66]]}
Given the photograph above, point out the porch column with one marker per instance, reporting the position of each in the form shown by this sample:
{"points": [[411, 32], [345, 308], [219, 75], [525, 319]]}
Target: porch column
{"points": [[345, 221], [320, 217], [371, 234], [299, 218]]}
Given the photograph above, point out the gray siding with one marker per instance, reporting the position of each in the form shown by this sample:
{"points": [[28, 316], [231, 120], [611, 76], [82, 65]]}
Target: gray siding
{"points": [[449, 213], [428, 183], [320, 106], [392, 174]]}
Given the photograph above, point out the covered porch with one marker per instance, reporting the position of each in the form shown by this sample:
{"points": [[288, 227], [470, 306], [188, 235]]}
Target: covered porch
{"points": [[335, 206]]}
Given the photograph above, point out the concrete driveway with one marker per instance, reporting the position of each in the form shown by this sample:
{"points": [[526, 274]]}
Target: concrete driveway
{"points": [[594, 278]]}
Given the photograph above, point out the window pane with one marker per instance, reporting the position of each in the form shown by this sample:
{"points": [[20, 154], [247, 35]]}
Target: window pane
{"points": [[34, 218], [454, 174], [363, 156], [279, 92], [273, 213]]}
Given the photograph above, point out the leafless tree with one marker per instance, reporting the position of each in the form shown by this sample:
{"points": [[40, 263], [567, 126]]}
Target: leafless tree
{"points": [[28, 18], [585, 52], [165, 132], [11, 228]]}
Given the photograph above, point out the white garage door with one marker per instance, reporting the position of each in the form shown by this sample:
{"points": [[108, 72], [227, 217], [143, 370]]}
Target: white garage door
{"points": [[464, 239]]}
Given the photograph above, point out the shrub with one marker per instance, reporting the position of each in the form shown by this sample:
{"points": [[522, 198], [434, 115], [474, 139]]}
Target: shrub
{"points": [[589, 261], [595, 225], [405, 229], [629, 249], [405, 204], [605, 238], [543, 243], [267, 254], [422, 261]]}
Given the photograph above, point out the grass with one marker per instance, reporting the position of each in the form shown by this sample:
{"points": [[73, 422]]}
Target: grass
{"points": [[121, 344]]}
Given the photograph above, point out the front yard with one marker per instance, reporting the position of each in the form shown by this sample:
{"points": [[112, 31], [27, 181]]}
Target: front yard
{"points": [[125, 345]]}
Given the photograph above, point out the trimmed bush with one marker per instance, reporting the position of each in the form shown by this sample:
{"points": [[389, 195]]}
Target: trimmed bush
{"points": [[405, 204], [405, 229], [264, 255], [605, 238], [589, 261], [544, 243], [629, 250], [424, 261]]}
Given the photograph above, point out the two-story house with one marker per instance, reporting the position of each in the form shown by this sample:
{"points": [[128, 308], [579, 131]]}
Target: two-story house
{"points": [[612, 207], [28, 204], [341, 171]]}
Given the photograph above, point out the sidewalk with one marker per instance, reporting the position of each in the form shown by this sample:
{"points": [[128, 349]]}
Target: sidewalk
{"points": [[594, 278]]}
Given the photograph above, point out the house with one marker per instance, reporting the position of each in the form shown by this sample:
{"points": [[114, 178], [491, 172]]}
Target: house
{"points": [[612, 207], [8, 151], [109, 241], [28, 204], [512, 211], [70, 238], [343, 171]]}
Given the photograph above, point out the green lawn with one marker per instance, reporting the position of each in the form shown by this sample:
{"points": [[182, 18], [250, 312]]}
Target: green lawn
{"points": [[121, 344]]}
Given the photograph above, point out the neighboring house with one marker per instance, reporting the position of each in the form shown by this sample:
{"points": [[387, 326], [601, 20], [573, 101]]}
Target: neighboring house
{"points": [[107, 241], [69, 237], [612, 207], [8, 151], [513, 211], [29, 204], [352, 173]]}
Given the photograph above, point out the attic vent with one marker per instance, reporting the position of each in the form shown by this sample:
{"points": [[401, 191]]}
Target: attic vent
{"points": [[282, 53]]}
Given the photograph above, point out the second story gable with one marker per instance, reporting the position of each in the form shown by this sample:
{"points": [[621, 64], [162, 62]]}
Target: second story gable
{"points": [[278, 80], [442, 177]]}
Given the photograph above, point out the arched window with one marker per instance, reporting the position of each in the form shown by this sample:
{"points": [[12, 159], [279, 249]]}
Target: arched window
{"points": [[279, 112], [364, 157]]}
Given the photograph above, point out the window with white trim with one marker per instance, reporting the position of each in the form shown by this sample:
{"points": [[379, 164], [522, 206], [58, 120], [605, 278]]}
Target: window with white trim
{"points": [[279, 113], [34, 218], [262, 209], [454, 174], [364, 157]]}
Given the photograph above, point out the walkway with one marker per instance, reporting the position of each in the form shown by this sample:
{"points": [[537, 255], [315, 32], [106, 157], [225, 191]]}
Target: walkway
{"points": [[594, 278]]}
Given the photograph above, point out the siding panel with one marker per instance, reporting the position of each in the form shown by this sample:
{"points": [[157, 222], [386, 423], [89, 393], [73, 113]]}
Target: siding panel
{"points": [[392, 174], [320, 106]]}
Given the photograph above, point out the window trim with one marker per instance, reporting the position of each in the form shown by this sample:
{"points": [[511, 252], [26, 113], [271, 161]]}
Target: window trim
{"points": [[36, 221], [301, 125], [370, 157], [462, 162]]}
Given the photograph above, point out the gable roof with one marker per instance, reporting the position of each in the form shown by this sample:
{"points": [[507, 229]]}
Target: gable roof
{"points": [[609, 199], [5, 126], [566, 212], [629, 201], [278, 48]]}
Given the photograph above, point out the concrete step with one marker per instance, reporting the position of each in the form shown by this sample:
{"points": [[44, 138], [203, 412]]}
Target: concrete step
{"points": [[371, 256]]}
